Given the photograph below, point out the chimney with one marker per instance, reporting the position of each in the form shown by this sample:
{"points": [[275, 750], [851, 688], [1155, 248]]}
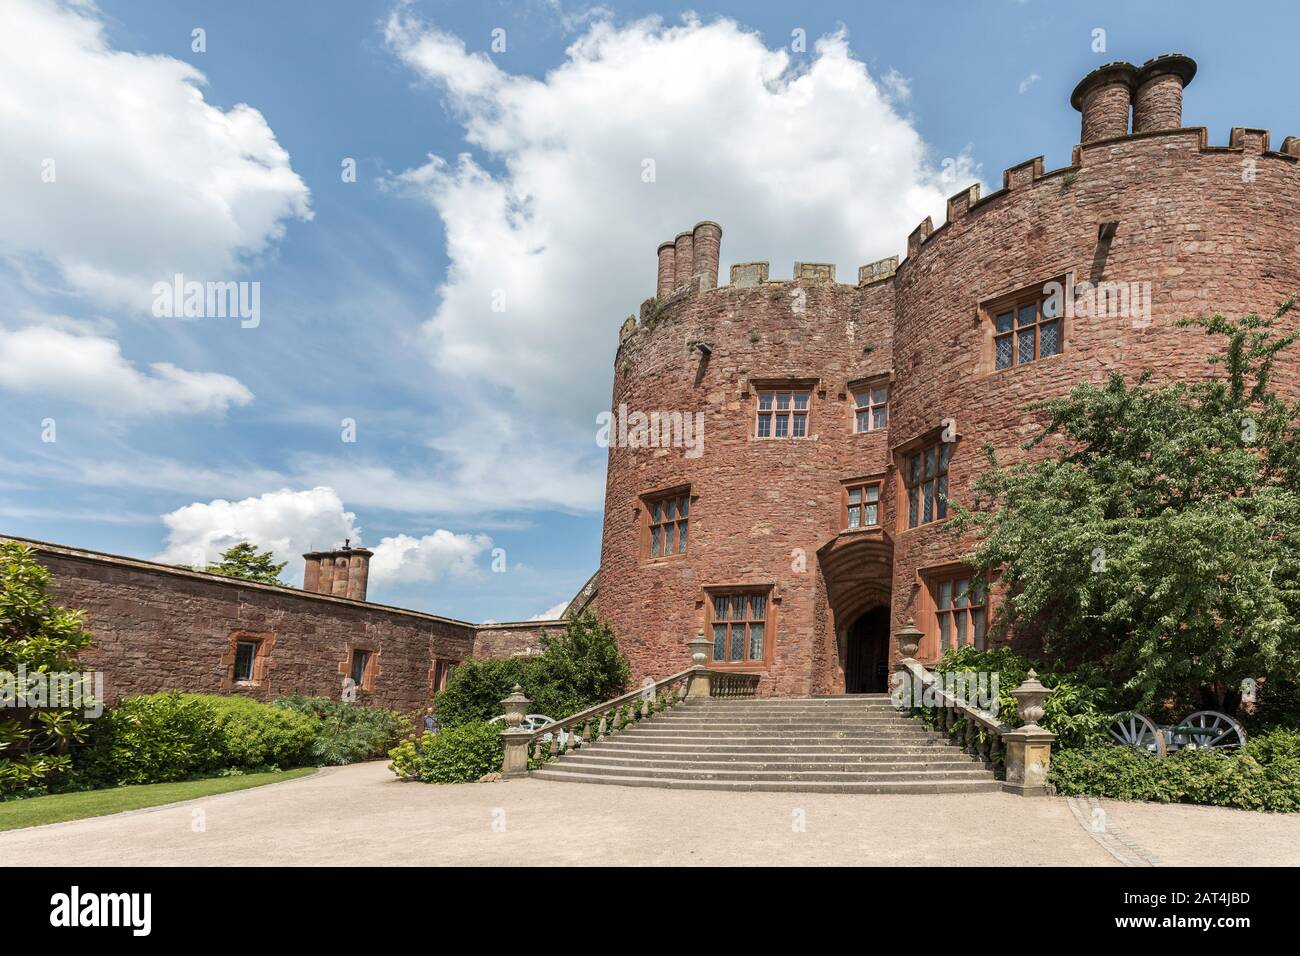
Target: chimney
{"points": [[344, 572], [667, 269], [706, 242], [1158, 102], [684, 258], [1104, 97], [311, 574], [358, 573]]}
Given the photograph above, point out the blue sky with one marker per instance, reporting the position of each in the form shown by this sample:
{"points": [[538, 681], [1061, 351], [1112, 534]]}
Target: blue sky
{"points": [[484, 178]]}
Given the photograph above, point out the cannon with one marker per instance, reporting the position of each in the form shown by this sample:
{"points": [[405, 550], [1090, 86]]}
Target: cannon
{"points": [[1198, 730]]}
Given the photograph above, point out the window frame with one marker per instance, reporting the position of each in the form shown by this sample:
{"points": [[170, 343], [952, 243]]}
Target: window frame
{"points": [[264, 642], [787, 414], [241, 643], [933, 581], [942, 478], [1012, 305], [444, 669], [864, 389], [366, 666], [747, 591], [647, 523], [846, 504]]}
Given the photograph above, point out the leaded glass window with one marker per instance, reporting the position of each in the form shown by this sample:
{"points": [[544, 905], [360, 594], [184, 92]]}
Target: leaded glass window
{"points": [[871, 408], [668, 517], [739, 627], [959, 610], [926, 478], [1026, 331]]}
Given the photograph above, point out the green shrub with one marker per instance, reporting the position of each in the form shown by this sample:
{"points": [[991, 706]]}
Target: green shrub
{"points": [[460, 754], [155, 738], [577, 669], [40, 636], [1263, 775], [253, 734], [1077, 711], [159, 738], [347, 733]]}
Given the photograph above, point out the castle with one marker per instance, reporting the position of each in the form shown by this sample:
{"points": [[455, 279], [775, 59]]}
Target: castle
{"points": [[842, 418], [806, 527]]}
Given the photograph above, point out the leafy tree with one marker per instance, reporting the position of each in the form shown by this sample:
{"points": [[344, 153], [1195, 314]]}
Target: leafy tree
{"points": [[245, 561], [577, 669], [1160, 544], [39, 637]]}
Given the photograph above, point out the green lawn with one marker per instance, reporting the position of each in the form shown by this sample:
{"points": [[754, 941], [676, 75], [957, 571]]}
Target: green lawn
{"points": [[59, 807]]}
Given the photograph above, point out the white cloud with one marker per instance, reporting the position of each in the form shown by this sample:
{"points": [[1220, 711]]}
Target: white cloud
{"points": [[797, 158], [55, 362], [1027, 82], [288, 523], [403, 559], [291, 523], [551, 613], [150, 180]]}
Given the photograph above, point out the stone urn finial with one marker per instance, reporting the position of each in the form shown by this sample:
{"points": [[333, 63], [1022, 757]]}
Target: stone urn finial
{"points": [[516, 706], [909, 639], [699, 648], [1029, 699]]}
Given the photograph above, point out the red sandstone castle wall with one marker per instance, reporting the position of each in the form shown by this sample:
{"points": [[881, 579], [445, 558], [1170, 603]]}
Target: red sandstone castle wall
{"points": [[1208, 228], [753, 501], [1206, 237], [159, 629]]}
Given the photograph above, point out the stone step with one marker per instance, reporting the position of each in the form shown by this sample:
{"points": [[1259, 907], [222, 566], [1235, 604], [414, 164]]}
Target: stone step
{"points": [[861, 723], [972, 785], [761, 738], [817, 775], [772, 762], [865, 750]]}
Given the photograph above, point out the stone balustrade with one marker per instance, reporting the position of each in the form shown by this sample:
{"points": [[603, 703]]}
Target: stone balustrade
{"points": [[1024, 752], [522, 746]]}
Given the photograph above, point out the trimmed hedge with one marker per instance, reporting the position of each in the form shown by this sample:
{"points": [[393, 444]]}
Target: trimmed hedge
{"points": [[460, 754], [160, 738], [1263, 775], [156, 738]]}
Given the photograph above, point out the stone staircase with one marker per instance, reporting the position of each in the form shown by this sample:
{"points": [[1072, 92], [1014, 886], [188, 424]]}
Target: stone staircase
{"points": [[854, 744]]}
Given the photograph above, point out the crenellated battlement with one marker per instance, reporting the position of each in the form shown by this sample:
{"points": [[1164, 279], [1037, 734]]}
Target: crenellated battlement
{"points": [[1107, 98]]}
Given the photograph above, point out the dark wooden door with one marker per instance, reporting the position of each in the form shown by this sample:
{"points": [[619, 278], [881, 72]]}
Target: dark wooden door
{"points": [[866, 665]]}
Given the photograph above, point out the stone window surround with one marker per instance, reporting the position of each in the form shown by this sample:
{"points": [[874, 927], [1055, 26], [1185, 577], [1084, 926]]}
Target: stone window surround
{"points": [[440, 673], [878, 480], [771, 621], [372, 662], [861, 388], [902, 454], [265, 641], [928, 580], [809, 385], [643, 517], [988, 309]]}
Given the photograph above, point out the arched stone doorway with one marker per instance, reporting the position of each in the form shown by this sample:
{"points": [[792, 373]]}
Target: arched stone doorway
{"points": [[857, 569], [866, 653]]}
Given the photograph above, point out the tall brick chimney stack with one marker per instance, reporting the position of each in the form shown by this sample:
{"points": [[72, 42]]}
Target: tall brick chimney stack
{"points": [[667, 269], [684, 257], [344, 572], [707, 246], [1158, 100], [1104, 97]]}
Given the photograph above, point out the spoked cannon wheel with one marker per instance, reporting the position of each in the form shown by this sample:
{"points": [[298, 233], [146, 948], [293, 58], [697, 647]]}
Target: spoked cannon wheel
{"points": [[1134, 730], [1207, 728]]}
